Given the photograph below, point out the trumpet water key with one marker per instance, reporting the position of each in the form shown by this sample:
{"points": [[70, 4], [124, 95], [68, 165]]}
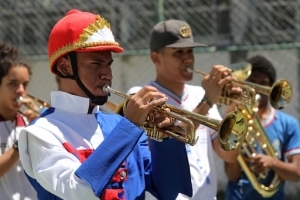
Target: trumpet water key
{"points": [[231, 130]]}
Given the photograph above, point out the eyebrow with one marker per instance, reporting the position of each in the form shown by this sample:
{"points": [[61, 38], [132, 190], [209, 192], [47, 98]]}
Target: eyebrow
{"points": [[102, 61]]}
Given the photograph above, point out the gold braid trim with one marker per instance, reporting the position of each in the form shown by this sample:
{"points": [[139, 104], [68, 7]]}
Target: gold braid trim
{"points": [[72, 47]]}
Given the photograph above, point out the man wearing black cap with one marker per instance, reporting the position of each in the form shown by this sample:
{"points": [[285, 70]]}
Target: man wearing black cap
{"points": [[171, 45]]}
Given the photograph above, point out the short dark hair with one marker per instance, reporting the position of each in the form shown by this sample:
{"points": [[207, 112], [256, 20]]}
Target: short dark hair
{"points": [[10, 57], [263, 65]]}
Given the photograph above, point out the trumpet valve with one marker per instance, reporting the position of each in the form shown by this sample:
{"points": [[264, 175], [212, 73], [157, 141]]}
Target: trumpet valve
{"points": [[153, 133]]}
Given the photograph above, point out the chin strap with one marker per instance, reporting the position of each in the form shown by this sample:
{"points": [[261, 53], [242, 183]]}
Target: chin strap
{"points": [[98, 100]]}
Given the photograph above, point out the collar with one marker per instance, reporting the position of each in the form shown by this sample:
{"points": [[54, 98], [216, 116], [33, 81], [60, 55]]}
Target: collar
{"points": [[19, 121], [71, 103], [270, 118], [169, 93]]}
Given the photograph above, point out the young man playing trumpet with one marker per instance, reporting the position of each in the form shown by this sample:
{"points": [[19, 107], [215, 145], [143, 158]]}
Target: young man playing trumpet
{"points": [[14, 78], [282, 130], [75, 151], [171, 45]]}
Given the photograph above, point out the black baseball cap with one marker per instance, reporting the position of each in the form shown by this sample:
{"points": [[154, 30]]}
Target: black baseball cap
{"points": [[172, 33]]}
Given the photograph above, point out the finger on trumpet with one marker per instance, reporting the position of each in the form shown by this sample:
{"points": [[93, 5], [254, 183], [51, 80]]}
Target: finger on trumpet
{"points": [[157, 119], [31, 107]]}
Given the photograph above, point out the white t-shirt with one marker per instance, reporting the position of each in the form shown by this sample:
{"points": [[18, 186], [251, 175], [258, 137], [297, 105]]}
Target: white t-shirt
{"points": [[200, 155], [14, 184]]}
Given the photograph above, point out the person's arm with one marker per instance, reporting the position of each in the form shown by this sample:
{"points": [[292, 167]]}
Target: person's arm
{"points": [[7, 160], [233, 170], [61, 173], [227, 156], [289, 169]]}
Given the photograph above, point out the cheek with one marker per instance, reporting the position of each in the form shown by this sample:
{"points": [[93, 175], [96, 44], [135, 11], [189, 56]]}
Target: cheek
{"points": [[8, 94], [90, 73]]}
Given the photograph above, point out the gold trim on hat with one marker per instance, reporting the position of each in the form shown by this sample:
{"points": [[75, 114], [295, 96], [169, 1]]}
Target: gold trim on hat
{"points": [[185, 31], [100, 23], [72, 47]]}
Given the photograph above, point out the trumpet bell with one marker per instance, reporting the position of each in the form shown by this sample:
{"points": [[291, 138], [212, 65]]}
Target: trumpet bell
{"points": [[241, 70], [281, 94], [233, 130]]}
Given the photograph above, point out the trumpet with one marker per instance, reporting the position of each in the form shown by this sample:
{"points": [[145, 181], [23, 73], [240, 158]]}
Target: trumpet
{"points": [[42, 104], [280, 94], [231, 130]]}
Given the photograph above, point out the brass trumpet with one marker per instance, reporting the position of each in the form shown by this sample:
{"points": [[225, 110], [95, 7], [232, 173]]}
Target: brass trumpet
{"points": [[41, 103], [231, 130], [280, 94]]}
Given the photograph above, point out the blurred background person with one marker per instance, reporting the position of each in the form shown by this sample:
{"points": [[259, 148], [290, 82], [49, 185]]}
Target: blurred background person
{"points": [[14, 78]]}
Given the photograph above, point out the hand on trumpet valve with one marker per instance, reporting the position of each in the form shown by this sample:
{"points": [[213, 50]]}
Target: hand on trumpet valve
{"points": [[214, 82], [232, 91], [141, 108], [31, 110]]}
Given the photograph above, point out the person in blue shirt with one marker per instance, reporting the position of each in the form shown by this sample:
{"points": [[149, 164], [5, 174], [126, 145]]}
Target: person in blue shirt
{"points": [[284, 134]]}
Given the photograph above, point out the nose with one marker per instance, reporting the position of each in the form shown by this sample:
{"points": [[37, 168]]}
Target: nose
{"points": [[21, 89], [106, 73], [188, 58]]}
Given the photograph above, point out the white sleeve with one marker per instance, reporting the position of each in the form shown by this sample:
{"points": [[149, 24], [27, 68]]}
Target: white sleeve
{"points": [[214, 113], [52, 172], [134, 90]]}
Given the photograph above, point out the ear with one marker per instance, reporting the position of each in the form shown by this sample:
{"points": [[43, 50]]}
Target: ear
{"points": [[155, 57], [64, 66]]}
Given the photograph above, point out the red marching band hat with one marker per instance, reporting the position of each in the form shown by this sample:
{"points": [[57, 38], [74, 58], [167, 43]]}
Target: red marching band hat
{"points": [[81, 32]]}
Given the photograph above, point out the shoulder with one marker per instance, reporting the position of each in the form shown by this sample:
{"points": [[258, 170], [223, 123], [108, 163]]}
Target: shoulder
{"points": [[43, 125], [284, 117], [135, 89], [194, 88], [194, 92], [111, 118]]}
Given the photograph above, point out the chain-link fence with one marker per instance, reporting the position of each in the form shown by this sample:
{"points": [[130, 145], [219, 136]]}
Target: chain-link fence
{"points": [[233, 30], [220, 23]]}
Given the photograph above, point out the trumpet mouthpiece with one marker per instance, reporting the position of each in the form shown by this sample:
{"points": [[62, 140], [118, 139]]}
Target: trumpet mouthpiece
{"points": [[19, 99], [106, 88], [190, 69]]}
